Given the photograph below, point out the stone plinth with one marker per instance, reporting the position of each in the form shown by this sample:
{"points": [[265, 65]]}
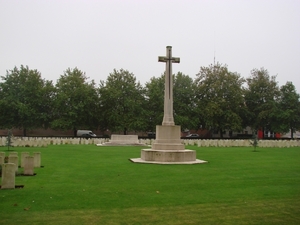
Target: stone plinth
{"points": [[168, 156], [168, 138], [8, 176], [168, 149], [120, 140]]}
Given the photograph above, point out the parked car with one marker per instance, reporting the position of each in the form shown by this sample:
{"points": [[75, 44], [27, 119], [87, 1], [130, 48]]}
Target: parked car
{"points": [[85, 133], [193, 135]]}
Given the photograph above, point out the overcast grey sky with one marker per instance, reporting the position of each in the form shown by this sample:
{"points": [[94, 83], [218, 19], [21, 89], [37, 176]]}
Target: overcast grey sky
{"points": [[99, 35]]}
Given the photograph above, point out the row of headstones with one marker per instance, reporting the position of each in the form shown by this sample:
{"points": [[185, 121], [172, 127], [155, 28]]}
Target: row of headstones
{"points": [[43, 142], [10, 169], [243, 143], [233, 143]]}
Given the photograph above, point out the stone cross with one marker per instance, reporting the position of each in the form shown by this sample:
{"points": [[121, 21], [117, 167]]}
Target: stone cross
{"points": [[168, 100]]}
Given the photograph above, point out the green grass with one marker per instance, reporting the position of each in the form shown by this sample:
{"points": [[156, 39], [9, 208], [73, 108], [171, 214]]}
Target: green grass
{"points": [[85, 184]]}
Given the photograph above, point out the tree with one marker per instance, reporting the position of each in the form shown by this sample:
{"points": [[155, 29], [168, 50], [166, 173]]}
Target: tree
{"points": [[76, 102], [5, 114], [185, 113], [47, 105], [288, 110], [154, 91], [260, 99], [23, 98], [184, 107], [220, 100], [121, 102]]}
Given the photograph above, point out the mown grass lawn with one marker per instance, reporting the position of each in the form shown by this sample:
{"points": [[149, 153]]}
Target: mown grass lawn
{"points": [[86, 184]]}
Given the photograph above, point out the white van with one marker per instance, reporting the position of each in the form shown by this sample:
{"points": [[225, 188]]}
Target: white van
{"points": [[85, 133]]}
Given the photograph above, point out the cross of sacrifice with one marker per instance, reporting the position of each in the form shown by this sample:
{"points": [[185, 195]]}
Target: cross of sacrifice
{"points": [[168, 99]]}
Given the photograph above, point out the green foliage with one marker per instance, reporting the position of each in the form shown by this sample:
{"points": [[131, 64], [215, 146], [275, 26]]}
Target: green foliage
{"points": [[260, 99], [121, 102], [75, 102], [287, 113], [254, 142], [220, 100], [184, 107], [24, 99], [154, 91], [215, 100], [9, 139], [185, 113]]}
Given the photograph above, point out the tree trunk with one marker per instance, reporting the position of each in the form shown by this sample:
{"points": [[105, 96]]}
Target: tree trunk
{"points": [[125, 130], [292, 133], [221, 133], [24, 132]]}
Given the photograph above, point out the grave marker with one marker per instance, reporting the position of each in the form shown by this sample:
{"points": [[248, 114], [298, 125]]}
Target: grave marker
{"points": [[13, 153], [15, 160], [2, 157], [29, 165], [23, 156], [8, 176], [37, 159]]}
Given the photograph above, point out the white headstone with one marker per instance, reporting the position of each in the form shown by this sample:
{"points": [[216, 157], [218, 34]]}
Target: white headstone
{"points": [[8, 176], [23, 156], [37, 159], [15, 160], [28, 165], [2, 155], [13, 154]]}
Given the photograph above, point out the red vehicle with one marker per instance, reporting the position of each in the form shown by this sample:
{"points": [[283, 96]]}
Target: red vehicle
{"points": [[267, 134]]}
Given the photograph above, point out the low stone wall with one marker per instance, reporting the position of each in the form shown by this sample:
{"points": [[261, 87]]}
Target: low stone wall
{"points": [[43, 142]]}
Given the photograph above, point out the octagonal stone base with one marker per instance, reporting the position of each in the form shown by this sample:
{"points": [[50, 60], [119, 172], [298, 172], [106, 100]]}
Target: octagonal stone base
{"points": [[168, 157], [168, 148]]}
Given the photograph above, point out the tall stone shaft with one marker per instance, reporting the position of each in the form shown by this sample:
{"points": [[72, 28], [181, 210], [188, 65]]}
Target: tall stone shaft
{"points": [[168, 99]]}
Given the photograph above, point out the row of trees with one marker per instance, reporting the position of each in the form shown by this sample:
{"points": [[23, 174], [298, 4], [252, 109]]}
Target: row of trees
{"points": [[217, 99]]}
